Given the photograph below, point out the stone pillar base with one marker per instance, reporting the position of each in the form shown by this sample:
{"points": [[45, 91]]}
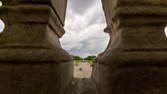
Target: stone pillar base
{"points": [[130, 80], [34, 78]]}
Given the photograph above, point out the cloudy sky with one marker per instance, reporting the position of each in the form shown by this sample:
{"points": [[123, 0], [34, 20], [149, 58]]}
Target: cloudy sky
{"points": [[85, 23], [1, 26]]}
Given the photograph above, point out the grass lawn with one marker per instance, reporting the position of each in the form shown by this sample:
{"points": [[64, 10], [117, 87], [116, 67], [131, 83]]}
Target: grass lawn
{"points": [[78, 61]]}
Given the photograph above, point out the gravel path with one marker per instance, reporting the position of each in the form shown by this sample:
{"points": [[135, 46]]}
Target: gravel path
{"points": [[82, 83], [82, 86], [82, 70]]}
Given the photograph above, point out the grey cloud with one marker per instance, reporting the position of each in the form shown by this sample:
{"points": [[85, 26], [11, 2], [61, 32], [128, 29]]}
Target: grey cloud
{"points": [[91, 47], [81, 6], [97, 18]]}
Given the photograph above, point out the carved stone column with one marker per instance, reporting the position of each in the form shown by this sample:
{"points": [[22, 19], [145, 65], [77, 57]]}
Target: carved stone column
{"points": [[32, 60], [135, 60]]}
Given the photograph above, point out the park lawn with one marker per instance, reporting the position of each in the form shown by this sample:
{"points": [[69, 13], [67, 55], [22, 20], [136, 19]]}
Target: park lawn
{"points": [[76, 61], [79, 61]]}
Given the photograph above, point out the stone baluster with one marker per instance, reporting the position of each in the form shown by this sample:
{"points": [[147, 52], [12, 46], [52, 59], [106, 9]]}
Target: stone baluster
{"points": [[32, 60], [135, 60]]}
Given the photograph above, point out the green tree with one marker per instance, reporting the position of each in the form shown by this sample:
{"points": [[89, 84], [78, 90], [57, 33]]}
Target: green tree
{"points": [[90, 58], [77, 58]]}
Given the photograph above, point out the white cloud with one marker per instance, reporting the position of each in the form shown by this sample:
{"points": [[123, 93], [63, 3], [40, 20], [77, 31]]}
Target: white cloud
{"points": [[84, 31], [166, 31], [2, 26], [1, 4]]}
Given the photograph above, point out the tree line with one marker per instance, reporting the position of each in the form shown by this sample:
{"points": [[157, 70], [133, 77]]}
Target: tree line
{"points": [[86, 58]]}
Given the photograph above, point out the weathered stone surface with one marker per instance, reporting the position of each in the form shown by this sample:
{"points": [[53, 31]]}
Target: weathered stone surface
{"points": [[130, 79], [135, 59], [32, 60], [28, 15], [58, 5], [140, 31], [37, 30], [34, 78], [33, 42], [141, 2]]}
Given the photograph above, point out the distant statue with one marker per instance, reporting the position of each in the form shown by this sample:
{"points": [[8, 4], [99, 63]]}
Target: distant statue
{"points": [[80, 69]]}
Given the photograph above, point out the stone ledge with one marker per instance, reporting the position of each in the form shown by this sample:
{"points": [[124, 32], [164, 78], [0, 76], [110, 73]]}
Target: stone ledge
{"points": [[34, 54], [27, 15], [140, 10], [133, 20], [142, 2], [58, 5], [117, 58]]}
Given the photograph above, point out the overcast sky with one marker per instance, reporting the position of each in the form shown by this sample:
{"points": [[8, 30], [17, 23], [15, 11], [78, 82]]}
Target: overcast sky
{"points": [[1, 26], [85, 23]]}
